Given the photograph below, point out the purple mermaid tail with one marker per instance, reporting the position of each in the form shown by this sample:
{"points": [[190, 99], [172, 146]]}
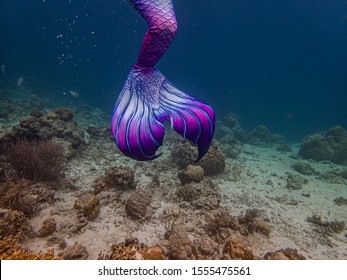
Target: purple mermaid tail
{"points": [[148, 98]]}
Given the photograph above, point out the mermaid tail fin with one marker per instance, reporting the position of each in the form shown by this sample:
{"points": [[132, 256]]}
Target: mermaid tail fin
{"points": [[147, 99]]}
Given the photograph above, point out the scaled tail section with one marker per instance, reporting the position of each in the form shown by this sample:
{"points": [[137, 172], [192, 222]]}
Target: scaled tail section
{"points": [[147, 99]]}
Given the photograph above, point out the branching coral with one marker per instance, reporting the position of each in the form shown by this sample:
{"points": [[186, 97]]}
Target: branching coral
{"points": [[11, 250]]}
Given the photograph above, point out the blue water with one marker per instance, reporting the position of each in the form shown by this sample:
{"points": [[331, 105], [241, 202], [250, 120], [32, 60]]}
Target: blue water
{"points": [[279, 63]]}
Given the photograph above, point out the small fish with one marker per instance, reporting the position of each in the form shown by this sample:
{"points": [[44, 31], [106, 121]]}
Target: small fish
{"points": [[19, 81], [3, 69], [73, 93]]}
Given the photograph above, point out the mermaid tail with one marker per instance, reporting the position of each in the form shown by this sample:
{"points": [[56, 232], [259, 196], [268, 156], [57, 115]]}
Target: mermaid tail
{"points": [[148, 98]]}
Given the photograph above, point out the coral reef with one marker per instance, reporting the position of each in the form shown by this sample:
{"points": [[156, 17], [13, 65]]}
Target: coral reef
{"points": [[72, 227], [153, 253], [235, 249], [327, 227], [248, 220], [213, 162], [24, 195], [115, 177], [177, 245], [136, 205], [208, 196], [331, 145], [295, 182], [75, 252], [6, 108], [208, 249], [184, 154], [303, 168], [220, 224], [36, 160], [343, 174], [11, 250], [251, 222], [284, 254], [48, 227], [191, 174], [130, 249], [229, 130], [55, 240], [45, 126], [88, 205], [230, 147], [187, 192], [283, 147], [231, 120], [261, 135], [340, 201], [64, 114], [14, 223], [202, 195], [13, 196]]}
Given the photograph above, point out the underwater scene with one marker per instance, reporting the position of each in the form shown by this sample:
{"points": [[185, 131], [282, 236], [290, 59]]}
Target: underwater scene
{"points": [[173, 129]]}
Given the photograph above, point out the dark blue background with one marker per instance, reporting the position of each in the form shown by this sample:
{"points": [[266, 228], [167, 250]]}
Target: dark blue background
{"points": [[278, 63]]}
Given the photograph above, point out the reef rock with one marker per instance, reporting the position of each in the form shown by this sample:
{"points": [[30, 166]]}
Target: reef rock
{"points": [[235, 249], [284, 254], [208, 249], [153, 253], [202, 195], [229, 128], [136, 205], [178, 245], [261, 135], [303, 168], [130, 249], [331, 145], [115, 178], [6, 108], [13, 223], [45, 126], [89, 205], [48, 227], [75, 252], [221, 225], [191, 174], [184, 154], [231, 120], [64, 114], [213, 162], [295, 182]]}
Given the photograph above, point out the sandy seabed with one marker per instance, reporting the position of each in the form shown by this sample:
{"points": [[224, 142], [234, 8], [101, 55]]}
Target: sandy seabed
{"points": [[257, 179]]}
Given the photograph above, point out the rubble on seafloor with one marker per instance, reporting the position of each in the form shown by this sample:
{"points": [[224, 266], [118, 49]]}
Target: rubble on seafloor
{"points": [[241, 201]]}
